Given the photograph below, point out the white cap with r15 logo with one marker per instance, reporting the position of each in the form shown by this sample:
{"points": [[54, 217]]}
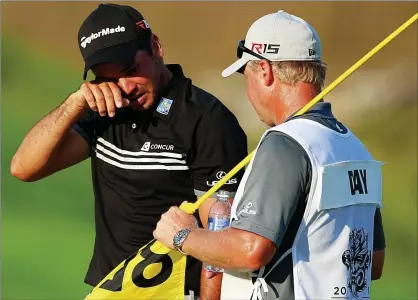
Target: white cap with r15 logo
{"points": [[279, 37]]}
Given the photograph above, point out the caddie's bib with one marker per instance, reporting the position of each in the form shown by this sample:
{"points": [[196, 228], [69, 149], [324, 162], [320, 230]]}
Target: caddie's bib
{"points": [[332, 251]]}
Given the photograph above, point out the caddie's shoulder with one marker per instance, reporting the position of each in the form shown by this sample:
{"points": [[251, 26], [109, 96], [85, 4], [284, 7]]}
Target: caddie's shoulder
{"points": [[277, 145], [277, 140]]}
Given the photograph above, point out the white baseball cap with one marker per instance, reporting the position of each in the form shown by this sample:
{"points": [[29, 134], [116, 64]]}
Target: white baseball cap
{"points": [[277, 37]]}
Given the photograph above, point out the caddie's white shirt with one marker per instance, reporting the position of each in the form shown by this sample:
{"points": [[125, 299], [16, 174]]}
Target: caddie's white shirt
{"points": [[332, 250]]}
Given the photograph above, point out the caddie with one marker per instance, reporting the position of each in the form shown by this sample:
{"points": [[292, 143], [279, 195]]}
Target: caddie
{"points": [[306, 221]]}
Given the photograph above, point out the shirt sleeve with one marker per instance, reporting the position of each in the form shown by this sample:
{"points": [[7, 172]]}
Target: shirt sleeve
{"points": [[379, 242], [278, 180], [219, 144], [87, 127]]}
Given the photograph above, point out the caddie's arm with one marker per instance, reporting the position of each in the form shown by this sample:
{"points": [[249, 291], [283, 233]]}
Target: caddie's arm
{"points": [[379, 245], [273, 192]]}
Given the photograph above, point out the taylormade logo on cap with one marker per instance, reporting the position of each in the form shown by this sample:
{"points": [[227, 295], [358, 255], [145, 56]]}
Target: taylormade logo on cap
{"points": [[105, 31]]}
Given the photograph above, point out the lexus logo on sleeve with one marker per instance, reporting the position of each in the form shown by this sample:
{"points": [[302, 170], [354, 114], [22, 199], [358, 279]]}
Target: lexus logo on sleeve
{"points": [[219, 176]]}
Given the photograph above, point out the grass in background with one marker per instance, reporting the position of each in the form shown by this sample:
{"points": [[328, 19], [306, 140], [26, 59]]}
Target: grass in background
{"points": [[48, 228]]}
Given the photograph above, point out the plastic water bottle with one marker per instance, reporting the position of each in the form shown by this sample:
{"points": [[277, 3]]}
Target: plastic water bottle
{"points": [[219, 216]]}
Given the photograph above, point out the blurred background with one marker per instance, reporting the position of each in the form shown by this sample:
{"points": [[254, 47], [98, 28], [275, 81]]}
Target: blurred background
{"points": [[47, 227]]}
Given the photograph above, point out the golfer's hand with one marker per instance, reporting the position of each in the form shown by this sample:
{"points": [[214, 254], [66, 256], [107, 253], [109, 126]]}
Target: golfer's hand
{"points": [[210, 274], [103, 97]]}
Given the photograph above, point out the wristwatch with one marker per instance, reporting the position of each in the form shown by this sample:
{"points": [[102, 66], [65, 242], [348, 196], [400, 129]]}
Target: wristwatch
{"points": [[179, 239]]}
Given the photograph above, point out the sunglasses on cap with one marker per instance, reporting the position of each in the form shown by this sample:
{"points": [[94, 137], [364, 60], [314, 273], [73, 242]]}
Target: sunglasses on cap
{"points": [[241, 49]]}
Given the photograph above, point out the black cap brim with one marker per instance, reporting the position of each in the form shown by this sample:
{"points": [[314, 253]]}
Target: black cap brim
{"points": [[122, 54]]}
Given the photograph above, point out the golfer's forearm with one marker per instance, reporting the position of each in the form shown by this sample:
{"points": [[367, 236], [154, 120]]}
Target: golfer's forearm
{"points": [[226, 248], [43, 139], [210, 289]]}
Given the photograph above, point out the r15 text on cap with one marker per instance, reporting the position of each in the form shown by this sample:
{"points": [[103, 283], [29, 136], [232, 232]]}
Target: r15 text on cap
{"points": [[265, 48]]}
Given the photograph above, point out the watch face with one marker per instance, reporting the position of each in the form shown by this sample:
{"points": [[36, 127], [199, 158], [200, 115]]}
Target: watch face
{"points": [[176, 239], [179, 237]]}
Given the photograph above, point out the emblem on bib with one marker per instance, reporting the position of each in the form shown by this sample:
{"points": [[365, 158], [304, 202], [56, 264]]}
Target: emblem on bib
{"points": [[357, 259]]}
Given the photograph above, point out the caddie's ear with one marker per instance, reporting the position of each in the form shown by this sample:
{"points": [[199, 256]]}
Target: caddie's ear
{"points": [[266, 72], [157, 48]]}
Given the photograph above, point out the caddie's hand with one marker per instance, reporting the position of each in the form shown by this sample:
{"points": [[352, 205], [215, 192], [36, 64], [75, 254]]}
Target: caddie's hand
{"points": [[103, 97], [172, 222]]}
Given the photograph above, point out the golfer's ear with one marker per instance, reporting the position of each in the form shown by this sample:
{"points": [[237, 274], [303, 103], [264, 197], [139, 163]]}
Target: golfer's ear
{"points": [[157, 48]]}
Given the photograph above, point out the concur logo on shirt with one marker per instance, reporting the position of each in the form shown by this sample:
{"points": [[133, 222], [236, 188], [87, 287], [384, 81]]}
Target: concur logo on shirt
{"points": [[148, 146], [105, 31]]}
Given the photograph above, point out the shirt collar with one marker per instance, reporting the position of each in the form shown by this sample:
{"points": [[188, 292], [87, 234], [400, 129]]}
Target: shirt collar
{"points": [[175, 91], [321, 109]]}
